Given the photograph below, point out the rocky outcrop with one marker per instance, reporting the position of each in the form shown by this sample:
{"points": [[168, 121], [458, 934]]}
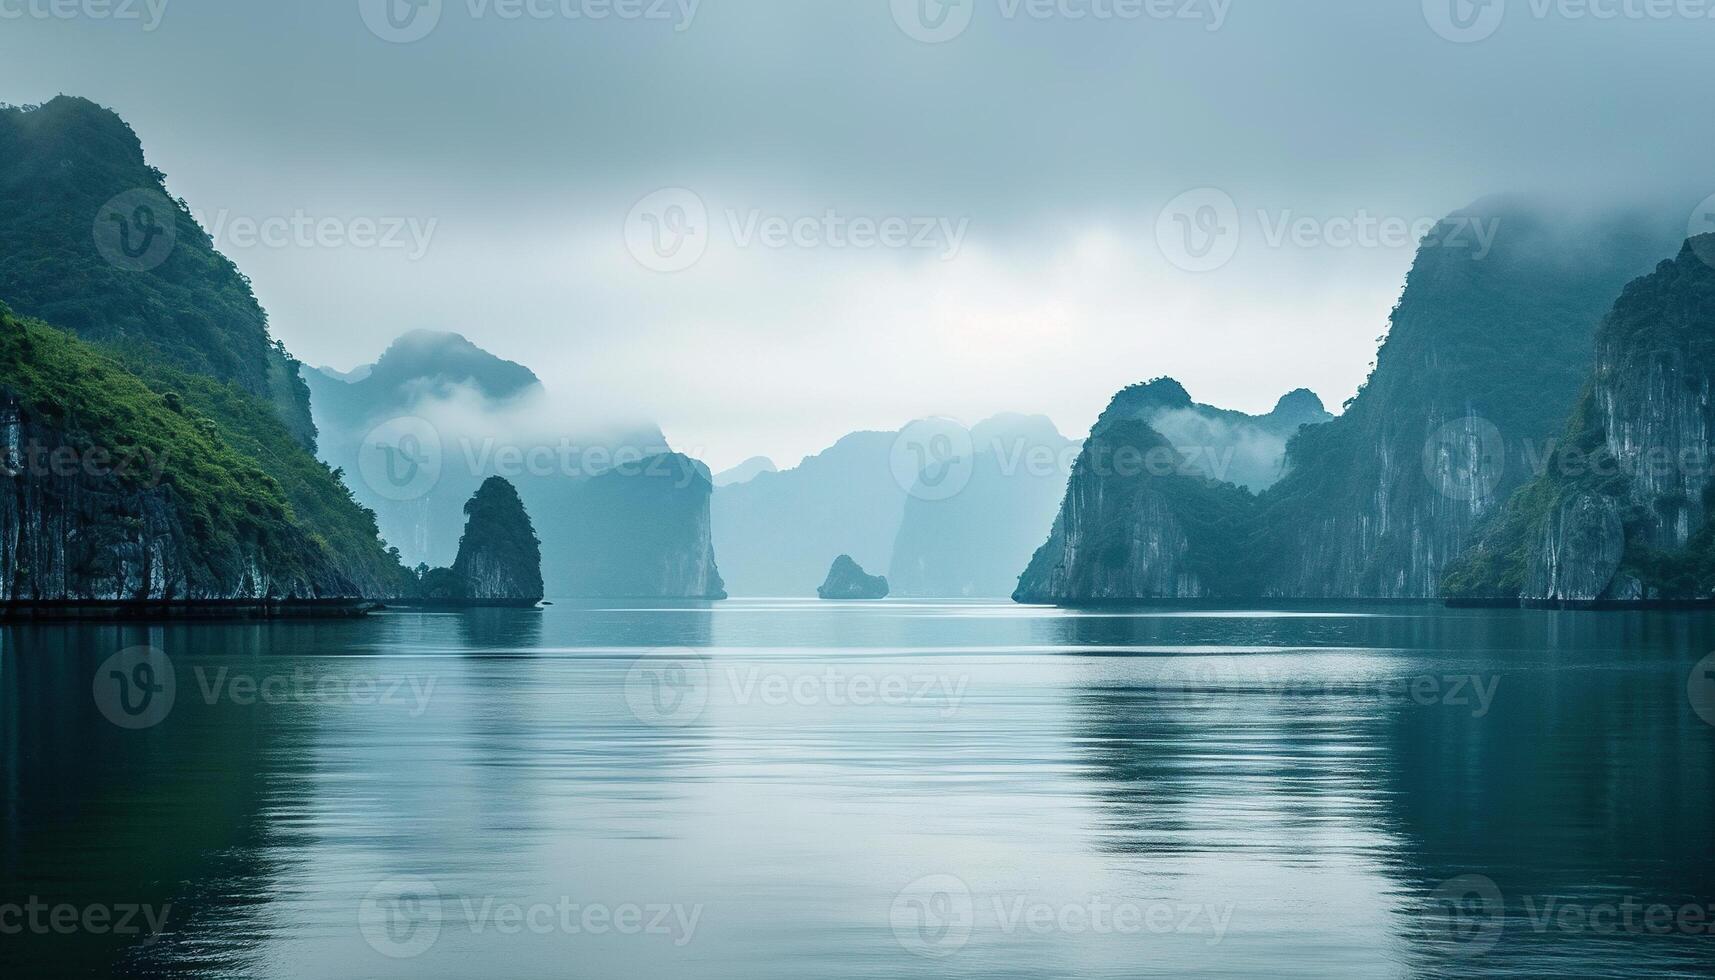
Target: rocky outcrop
{"points": [[77, 526], [500, 559], [92, 243], [1221, 444], [1485, 357], [1489, 344], [847, 580], [642, 530], [1140, 521], [1578, 551], [1621, 509]]}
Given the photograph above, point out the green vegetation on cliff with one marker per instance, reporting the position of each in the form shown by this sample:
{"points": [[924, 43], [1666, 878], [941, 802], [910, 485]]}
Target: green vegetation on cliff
{"points": [[108, 422], [91, 241], [1633, 464]]}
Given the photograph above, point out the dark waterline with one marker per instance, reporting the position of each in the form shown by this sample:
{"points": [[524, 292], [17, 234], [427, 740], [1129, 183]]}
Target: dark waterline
{"points": [[794, 788]]}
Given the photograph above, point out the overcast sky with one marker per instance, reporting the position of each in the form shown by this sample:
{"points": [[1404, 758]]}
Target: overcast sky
{"points": [[1012, 176]]}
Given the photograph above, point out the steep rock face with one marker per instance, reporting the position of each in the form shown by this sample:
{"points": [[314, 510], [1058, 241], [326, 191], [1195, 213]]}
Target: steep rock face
{"points": [[643, 531], [91, 242], [1485, 357], [82, 520], [847, 580], [499, 555], [1140, 521], [1579, 549], [1621, 509]]}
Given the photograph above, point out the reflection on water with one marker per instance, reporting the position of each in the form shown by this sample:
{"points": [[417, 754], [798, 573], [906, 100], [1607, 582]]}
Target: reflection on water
{"points": [[758, 789]]}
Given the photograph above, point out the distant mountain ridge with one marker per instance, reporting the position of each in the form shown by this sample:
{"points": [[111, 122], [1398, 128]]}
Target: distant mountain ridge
{"points": [[420, 363], [618, 514], [859, 498]]}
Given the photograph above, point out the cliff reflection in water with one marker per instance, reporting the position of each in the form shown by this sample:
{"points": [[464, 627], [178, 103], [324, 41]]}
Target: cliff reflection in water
{"points": [[1550, 754]]}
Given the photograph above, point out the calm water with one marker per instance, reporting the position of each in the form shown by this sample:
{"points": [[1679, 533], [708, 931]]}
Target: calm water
{"points": [[793, 789]]}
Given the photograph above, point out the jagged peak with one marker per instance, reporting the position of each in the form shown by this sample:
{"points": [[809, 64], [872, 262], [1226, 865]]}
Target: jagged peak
{"points": [[440, 356], [1299, 401]]}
